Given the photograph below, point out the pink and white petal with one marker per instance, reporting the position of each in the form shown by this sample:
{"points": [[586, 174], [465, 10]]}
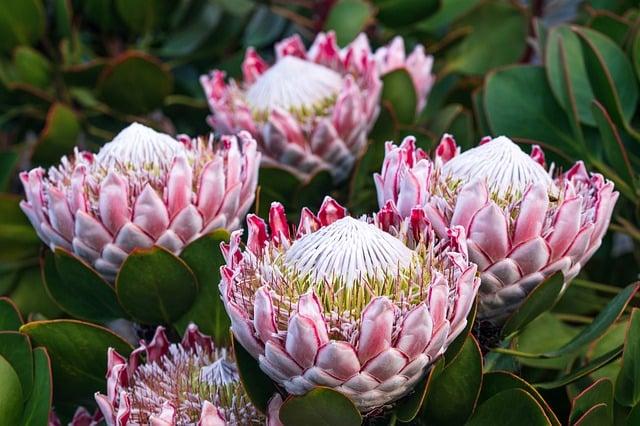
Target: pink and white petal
{"points": [[488, 230], [415, 332], [338, 359], [150, 213], [302, 341], [264, 320], [376, 328], [566, 225], [113, 202], [211, 416], [533, 212], [472, 197]]}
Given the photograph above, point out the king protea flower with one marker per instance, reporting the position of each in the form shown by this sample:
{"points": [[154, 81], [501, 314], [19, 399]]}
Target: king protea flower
{"points": [[309, 111], [191, 382], [523, 223], [141, 189], [393, 57], [340, 302]]}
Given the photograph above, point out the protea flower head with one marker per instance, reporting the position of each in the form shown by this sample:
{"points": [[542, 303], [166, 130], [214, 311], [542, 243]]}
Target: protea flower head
{"points": [[140, 189], [191, 382], [342, 302], [393, 57], [309, 111], [523, 223]]}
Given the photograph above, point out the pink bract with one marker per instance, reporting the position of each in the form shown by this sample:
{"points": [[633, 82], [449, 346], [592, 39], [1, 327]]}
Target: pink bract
{"points": [[143, 188], [309, 111], [364, 306], [523, 224]]}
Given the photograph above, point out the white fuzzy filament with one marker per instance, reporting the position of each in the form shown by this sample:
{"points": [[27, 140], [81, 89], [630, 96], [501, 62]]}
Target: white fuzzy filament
{"points": [[349, 250], [504, 166]]}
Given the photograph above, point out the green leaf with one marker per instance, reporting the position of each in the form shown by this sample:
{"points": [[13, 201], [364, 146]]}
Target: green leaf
{"points": [[546, 333], [78, 288], [596, 416], [449, 11], [16, 349], [154, 286], [193, 35], [142, 16], [489, 25], [571, 64], [508, 408], [454, 393], [63, 17], [37, 408], [398, 90], [135, 83], [593, 365], [275, 184], [600, 324], [540, 300], [10, 394], [101, 13], [319, 407], [613, 146], [511, 110], [264, 28], [204, 258], [600, 392], [400, 13], [628, 381], [635, 52], [498, 381], [21, 22], [78, 352], [10, 318], [8, 161], [610, 73], [59, 135], [31, 67], [347, 18], [408, 407], [613, 26], [258, 385]]}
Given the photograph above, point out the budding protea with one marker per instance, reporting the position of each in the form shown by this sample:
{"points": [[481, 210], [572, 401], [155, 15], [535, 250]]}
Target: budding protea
{"points": [[309, 111], [191, 382], [143, 188], [340, 302], [393, 57], [523, 224]]}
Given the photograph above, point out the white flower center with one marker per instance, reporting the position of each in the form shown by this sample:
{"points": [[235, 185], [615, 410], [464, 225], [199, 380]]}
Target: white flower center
{"points": [[294, 85], [504, 166], [139, 146], [349, 250]]}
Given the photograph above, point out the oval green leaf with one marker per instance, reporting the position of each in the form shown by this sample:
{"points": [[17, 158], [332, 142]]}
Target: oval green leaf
{"points": [[398, 90], [204, 258], [600, 392], [540, 300], [78, 288], [135, 83], [155, 287], [59, 135], [399, 13], [511, 110], [597, 415], [454, 393], [21, 22], [38, 406], [408, 407], [347, 18], [628, 381], [320, 407], [78, 352], [10, 394], [508, 408], [10, 318], [498, 381], [16, 349], [258, 385]]}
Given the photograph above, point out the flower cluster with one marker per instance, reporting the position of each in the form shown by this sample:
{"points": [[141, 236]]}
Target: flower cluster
{"points": [[186, 383], [141, 189], [340, 302], [523, 222]]}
